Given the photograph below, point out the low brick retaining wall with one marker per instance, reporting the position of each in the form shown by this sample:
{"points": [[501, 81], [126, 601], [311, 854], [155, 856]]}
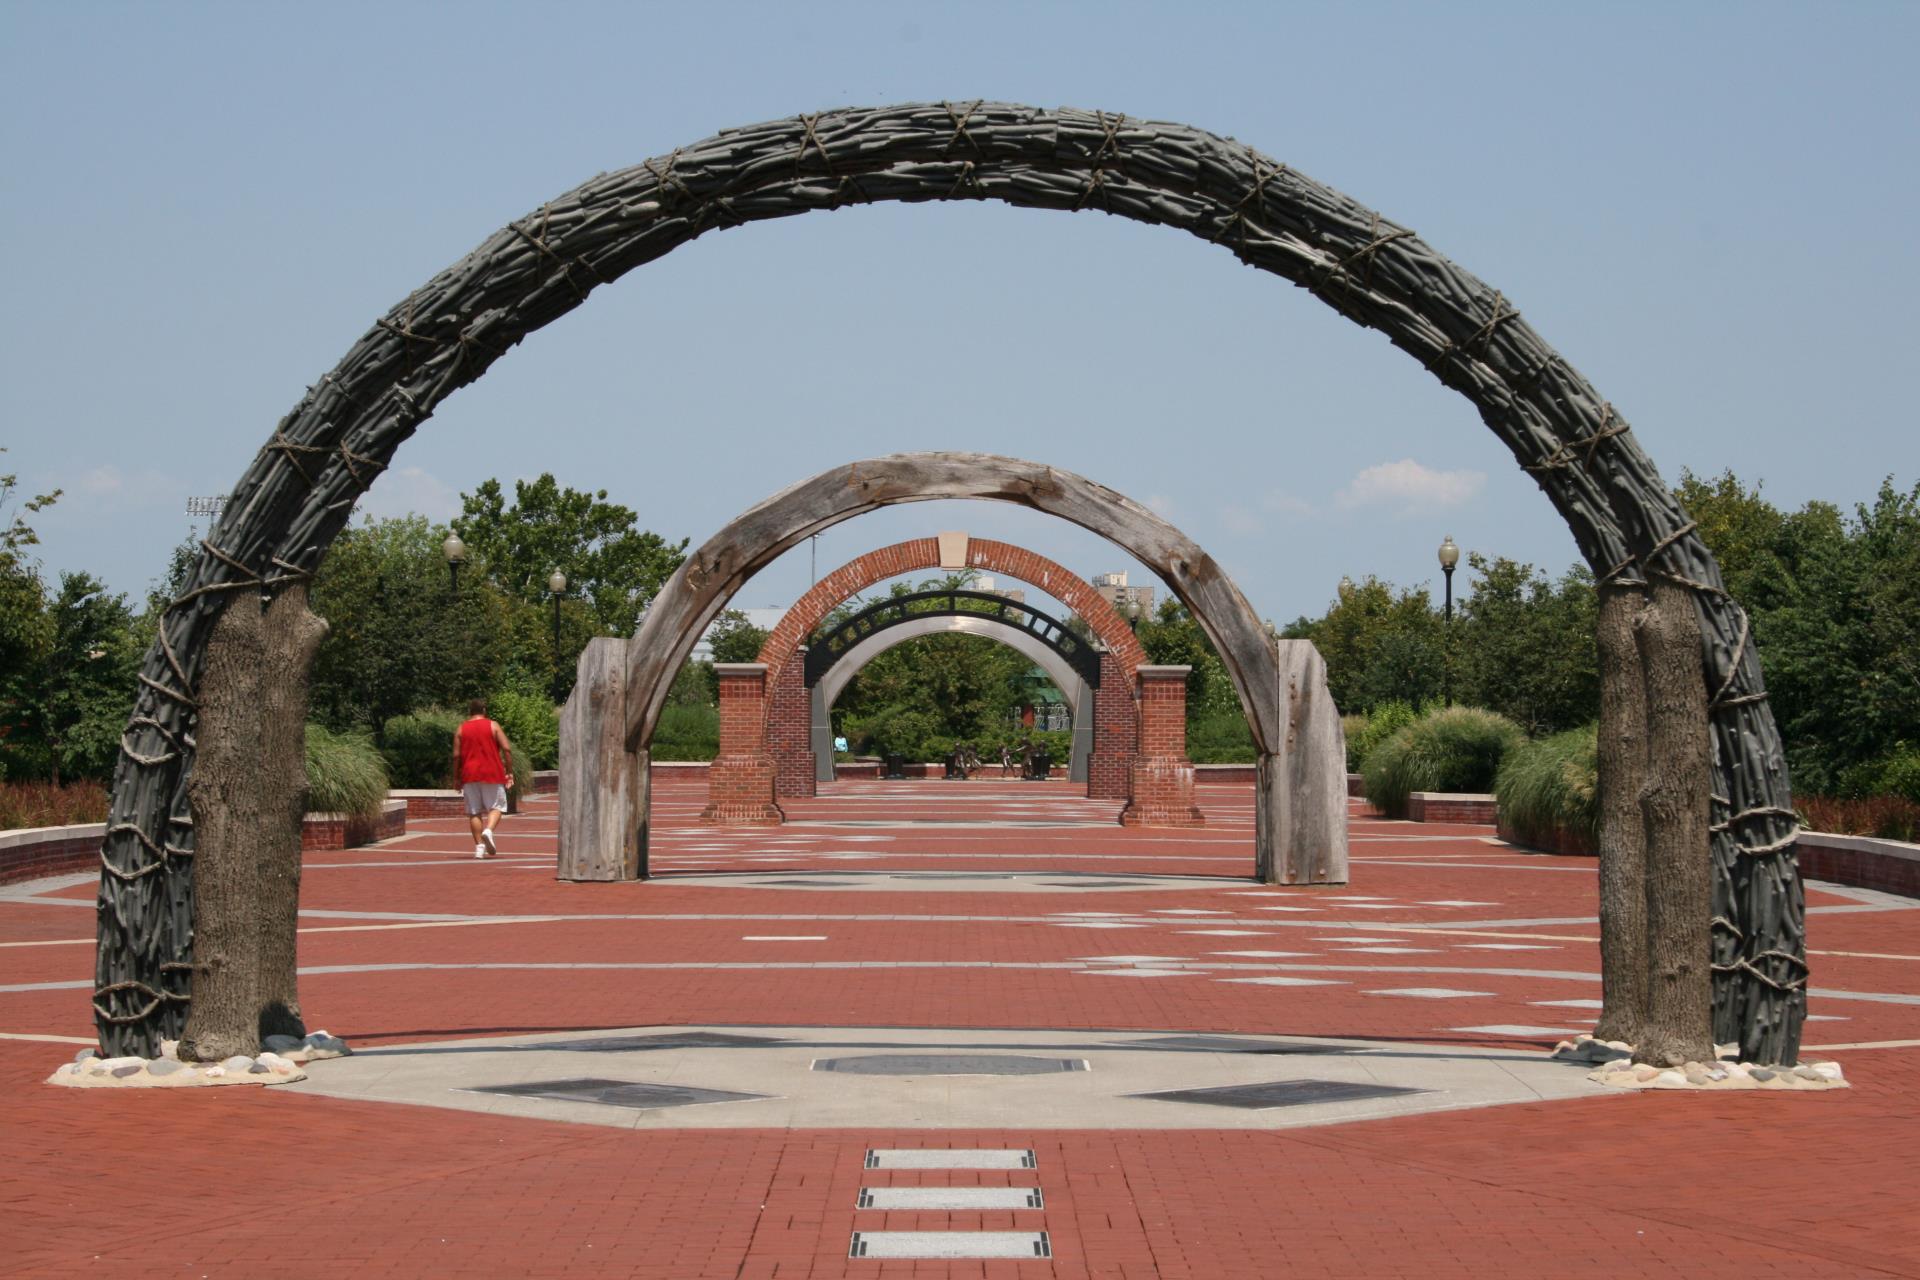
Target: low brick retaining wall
{"points": [[1455, 806], [33, 852], [1205, 773], [1863, 862], [37, 852], [546, 782], [349, 831], [1357, 784], [431, 804], [1571, 843]]}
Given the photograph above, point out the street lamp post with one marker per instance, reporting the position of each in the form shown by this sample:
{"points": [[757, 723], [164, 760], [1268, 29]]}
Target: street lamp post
{"points": [[456, 553], [1449, 557], [557, 586]]}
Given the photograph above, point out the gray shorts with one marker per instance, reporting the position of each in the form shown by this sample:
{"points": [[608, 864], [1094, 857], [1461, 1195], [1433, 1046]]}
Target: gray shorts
{"points": [[482, 796]]}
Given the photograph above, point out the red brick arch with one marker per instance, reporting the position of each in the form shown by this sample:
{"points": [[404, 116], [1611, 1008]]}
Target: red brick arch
{"points": [[1116, 721]]}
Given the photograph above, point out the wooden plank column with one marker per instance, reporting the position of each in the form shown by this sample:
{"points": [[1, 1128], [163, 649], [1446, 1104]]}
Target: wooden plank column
{"points": [[740, 781], [1300, 803], [600, 780], [1162, 774]]}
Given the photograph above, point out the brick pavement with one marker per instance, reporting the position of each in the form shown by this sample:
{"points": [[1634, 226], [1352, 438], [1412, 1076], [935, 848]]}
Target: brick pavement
{"points": [[219, 1181]]}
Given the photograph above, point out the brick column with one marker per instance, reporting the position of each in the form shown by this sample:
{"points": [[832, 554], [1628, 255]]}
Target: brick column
{"points": [[789, 730], [740, 781], [1162, 774], [1115, 734]]}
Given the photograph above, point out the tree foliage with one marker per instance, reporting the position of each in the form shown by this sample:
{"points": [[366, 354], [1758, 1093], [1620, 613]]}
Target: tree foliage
{"points": [[1834, 601], [610, 562]]}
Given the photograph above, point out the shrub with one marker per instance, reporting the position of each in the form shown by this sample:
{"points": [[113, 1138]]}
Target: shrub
{"points": [[1887, 817], [419, 748], [1353, 728], [345, 773], [1382, 723], [532, 725], [41, 804], [1221, 737], [687, 731], [1456, 749], [1550, 785]]}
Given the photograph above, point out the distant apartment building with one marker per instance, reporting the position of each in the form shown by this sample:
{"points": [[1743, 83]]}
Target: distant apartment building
{"points": [[1131, 602], [987, 585]]}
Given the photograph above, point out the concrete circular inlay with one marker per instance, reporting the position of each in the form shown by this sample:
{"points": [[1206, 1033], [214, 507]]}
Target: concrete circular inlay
{"points": [[948, 1064]]}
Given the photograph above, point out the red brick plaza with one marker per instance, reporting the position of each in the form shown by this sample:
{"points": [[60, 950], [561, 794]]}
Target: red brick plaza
{"points": [[1023, 908]]}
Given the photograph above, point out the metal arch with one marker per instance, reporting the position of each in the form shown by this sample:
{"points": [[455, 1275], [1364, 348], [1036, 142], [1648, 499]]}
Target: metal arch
{"points": [[1079, 694], [827, 647], [1066, 677]]}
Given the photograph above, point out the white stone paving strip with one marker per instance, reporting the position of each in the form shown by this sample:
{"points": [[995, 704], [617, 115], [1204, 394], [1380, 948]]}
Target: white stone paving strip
{"points": [[950, 1244], [1429, 993], [945, 1158], [1506, 1029], [1287, 982], [961, 1198], [1569, 1004]]}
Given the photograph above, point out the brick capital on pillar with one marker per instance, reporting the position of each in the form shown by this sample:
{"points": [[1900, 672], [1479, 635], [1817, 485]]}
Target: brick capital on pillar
{"points": [[1162, 774], [740, 780]]}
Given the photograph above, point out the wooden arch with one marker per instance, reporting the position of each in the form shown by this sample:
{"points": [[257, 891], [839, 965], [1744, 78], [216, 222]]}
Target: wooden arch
{"points": [[299, 490]]}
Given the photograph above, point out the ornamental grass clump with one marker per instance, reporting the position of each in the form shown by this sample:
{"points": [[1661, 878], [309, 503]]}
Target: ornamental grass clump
{"points": [[345, 773], [1551, 785], [1457, 749]]}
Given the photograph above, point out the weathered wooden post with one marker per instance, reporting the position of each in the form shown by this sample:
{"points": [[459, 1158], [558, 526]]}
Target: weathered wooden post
{"points": [[1300, 808], [598, 775]]}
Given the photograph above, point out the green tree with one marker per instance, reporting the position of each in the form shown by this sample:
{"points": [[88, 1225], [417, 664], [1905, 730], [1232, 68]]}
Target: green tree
{"points": [[1379, 645], [610, 562], [25, 630], [399, 639], [1523, 645]]}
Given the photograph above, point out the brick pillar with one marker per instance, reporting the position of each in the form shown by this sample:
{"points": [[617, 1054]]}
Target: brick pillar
{"points": [[789, 729], [740, 781], [1115, 735], [1162, 774]]}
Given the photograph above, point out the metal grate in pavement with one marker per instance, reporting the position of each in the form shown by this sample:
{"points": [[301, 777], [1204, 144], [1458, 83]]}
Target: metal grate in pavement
{"points": [[944, 1158], [1280, 1093], [948, 1064], [950, 1244], [617, 1093]]}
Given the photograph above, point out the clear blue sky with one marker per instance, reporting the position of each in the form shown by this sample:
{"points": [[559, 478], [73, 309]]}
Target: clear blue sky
{"points": [[1704, 206]]}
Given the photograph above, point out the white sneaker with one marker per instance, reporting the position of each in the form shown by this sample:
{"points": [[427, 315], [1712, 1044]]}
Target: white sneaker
{"points": [[493, 850], [479, 851]]}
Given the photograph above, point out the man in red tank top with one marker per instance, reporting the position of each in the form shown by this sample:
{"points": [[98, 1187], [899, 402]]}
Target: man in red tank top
{"points": [[484, 759]]}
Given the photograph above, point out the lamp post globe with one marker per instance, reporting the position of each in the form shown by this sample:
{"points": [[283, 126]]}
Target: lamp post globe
{"points": [[456, 553], [557, 587], [1449, 557]]}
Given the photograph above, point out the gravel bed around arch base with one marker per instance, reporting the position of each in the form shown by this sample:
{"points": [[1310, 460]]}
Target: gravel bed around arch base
{"points": [[279, 1063], [1616, 1068]]}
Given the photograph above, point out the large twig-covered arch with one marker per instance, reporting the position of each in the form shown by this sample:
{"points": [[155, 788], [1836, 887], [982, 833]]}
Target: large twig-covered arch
{"points": [[300, 489]]}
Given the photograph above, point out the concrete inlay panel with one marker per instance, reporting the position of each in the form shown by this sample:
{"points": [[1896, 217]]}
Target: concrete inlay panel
{"points": [[941, 1158], [950, 1244], [950, 1198], [1429, 993], [763, 1077]]}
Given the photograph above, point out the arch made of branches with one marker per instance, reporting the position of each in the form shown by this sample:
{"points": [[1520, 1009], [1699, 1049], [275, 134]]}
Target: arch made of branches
{"points": [[300, 489]]}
